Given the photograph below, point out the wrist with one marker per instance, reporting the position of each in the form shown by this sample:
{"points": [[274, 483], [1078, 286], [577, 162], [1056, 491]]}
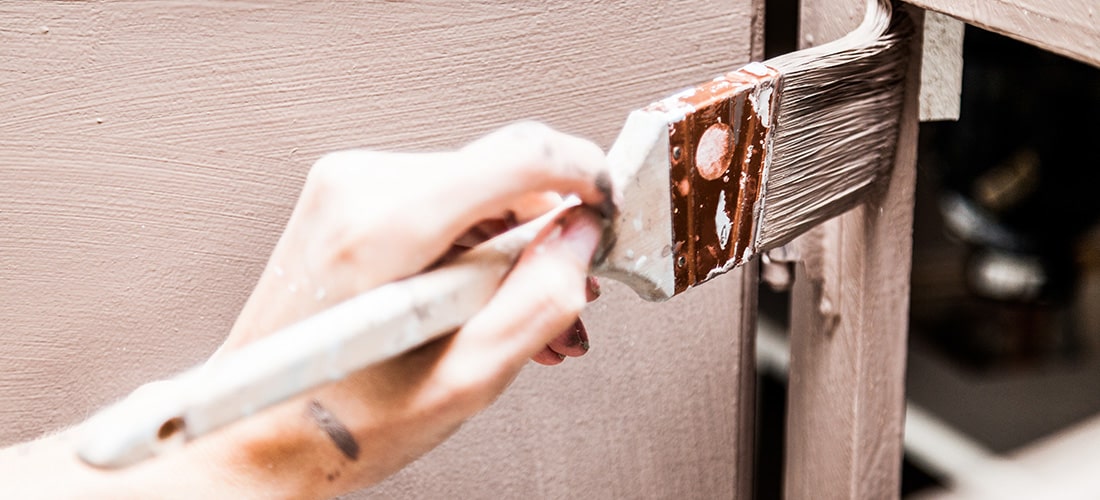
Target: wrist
{"points": [[265, 456], [50, 468]]}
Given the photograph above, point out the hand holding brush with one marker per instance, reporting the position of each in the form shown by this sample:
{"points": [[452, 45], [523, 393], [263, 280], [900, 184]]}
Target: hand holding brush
{"points": [[368, 245]]}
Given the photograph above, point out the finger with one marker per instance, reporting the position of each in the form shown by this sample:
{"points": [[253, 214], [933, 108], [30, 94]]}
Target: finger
{"points": [[532, 205], [593, 290], [475, 236], [540, 298], [571, 342], [523, 168], [548, 357], [483, 231], [525, 209], [530, 157], [427, 201]]}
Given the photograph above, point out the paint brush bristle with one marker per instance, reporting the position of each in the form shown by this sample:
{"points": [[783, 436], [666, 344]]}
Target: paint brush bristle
{"points": [[837, 125]]}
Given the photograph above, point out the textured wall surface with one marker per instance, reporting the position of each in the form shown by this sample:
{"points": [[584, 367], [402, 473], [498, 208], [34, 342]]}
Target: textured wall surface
{"points": [[150, 153]]}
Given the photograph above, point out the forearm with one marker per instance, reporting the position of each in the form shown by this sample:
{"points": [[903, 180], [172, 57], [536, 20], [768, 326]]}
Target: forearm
{"points": [[49, 468]]}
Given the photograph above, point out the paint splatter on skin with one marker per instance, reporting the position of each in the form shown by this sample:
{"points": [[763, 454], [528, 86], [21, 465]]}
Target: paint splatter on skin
{"points": [[606, 208], [335, 430]]}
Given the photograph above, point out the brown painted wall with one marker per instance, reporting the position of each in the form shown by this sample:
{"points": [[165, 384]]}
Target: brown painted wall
{"points": [[150, 153]]}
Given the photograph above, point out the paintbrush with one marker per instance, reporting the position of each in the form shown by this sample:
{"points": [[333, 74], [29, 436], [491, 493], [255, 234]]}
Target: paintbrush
{"points": [[754, 158], [710, 177]]}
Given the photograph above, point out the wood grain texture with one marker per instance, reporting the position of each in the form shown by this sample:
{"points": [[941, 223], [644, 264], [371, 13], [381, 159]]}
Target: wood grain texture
{"points": [[941, 66], [150, 153], [848, 328], [1067, 27]]}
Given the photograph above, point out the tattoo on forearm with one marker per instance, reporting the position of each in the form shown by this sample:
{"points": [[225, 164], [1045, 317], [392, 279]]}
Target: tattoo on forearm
{"points": [[336, 431]]}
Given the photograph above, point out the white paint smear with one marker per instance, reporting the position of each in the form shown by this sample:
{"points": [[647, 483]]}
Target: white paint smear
{"points": [[722, 222], [763, 104], [756, 68]]}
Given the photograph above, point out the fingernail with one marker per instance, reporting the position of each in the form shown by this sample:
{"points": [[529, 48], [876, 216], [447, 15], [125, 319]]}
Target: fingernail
{"points": [[580, 335], [593, 288], [581, 232], [606, 208]]}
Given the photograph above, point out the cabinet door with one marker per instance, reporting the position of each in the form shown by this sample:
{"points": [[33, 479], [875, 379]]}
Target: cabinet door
{"points": [[150, 154]]}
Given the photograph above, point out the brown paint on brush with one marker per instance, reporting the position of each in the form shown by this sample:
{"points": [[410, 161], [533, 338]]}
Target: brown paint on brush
{"points": [[335, 430], [719, 153]]}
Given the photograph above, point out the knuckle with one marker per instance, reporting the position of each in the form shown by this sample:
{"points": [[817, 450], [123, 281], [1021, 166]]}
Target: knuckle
{"points": [[328, 167], [337, 244], [325, 179], [531, 144], [339, 217], [333, 169], [527, 130], [537, 140]]}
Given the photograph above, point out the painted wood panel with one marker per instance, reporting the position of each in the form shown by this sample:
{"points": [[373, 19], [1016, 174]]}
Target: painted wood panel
{"points": [[941, 67], [849, 320], [1067, 27], [150, 153]]}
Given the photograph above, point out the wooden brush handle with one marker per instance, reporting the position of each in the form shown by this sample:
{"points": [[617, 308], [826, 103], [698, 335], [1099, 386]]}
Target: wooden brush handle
{"points": [[374, 326]]}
